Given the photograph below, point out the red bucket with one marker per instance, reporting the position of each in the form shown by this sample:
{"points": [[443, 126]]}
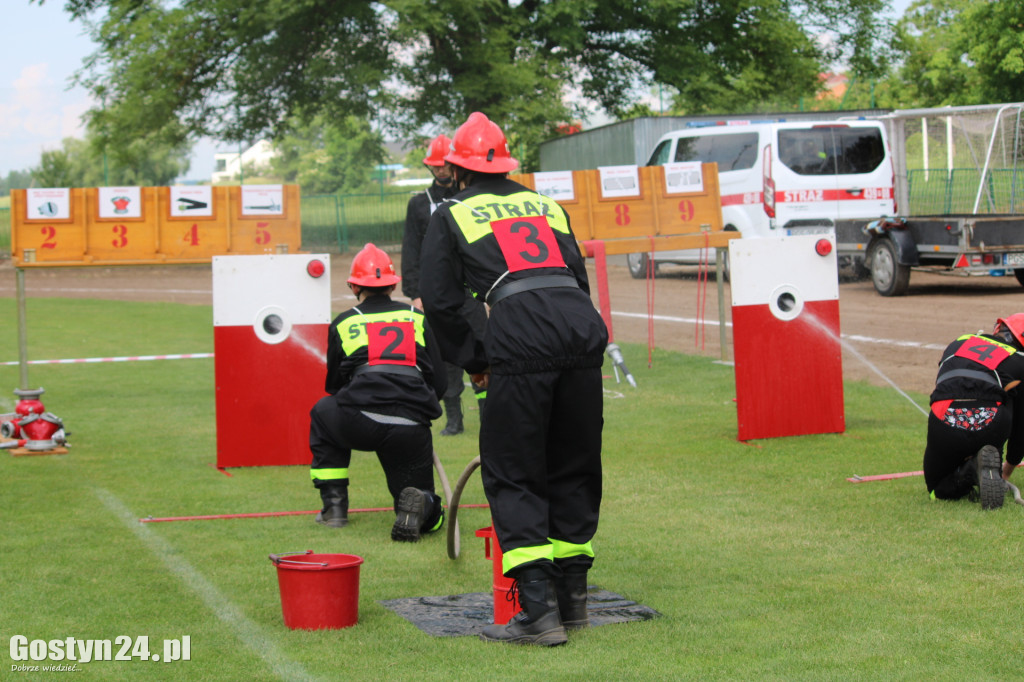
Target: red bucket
{"points": [[318, 591]]}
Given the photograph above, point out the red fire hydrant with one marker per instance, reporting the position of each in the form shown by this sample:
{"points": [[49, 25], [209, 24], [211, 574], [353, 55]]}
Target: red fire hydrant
{"points": [[30, 425]]}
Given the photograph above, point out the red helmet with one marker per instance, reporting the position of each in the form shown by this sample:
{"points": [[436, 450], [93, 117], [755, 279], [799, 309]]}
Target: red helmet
{"points": [[372, 268], [437, 149], [479, 145], [1014, 324]]}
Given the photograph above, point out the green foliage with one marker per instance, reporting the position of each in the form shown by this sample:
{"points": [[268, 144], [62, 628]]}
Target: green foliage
{"points": [[237, 69], [958, 52], [934, 72], [327, 156], [230, 68], [15, 180], [993, 37], [764, 562], [86, 163]]}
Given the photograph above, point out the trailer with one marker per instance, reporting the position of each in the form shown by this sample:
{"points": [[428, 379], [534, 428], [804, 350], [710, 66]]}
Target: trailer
{"points": [[965, 245], [961, 219]]}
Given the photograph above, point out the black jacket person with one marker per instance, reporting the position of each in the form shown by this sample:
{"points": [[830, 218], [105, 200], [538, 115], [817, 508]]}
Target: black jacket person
{"points": [[976, 409], [540, 441], [384, 386], [417, 216]]}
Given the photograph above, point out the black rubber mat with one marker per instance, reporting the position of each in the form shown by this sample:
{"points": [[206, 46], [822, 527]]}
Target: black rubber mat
{"points": [[467, 614]]}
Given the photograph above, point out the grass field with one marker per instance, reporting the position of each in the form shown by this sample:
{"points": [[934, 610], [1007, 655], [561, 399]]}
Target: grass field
{"points": [[764, 562]]}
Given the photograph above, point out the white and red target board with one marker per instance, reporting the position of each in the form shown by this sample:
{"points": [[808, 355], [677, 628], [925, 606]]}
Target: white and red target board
{"points": [[788, 356], [270, 320]]}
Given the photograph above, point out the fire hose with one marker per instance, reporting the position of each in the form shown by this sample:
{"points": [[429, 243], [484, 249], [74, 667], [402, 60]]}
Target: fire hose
{"points": [[1016, 493], [453, 508]]}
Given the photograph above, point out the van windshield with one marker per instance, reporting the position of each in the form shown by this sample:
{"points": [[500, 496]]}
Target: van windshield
{"points": [[732, 151], [831, 150], [660, 155]]}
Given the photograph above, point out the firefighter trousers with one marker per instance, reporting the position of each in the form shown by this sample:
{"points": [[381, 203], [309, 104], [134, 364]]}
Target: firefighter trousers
{"points": [[405, 451], [540, 457], [949, 446]]}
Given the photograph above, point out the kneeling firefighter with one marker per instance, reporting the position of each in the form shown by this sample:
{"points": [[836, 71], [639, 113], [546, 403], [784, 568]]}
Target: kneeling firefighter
{"points": [[384, 377]]}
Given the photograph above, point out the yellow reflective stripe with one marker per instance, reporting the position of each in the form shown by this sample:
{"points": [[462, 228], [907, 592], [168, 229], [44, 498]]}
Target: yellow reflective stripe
{"points": [[474, 215], [564, 550], [352, 330], [440, 522], [524, 555], [328, 474], [1009, 349]]}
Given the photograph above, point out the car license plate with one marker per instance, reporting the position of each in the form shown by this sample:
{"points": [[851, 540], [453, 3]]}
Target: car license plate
{"points": [[1015, 259]]}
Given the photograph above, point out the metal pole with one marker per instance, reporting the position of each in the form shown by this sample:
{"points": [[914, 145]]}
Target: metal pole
{"points": [[22, 329], [719, 276]]}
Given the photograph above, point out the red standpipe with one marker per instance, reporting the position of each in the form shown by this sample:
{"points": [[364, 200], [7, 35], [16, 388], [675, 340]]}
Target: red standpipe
{"points": [[504, 608]]}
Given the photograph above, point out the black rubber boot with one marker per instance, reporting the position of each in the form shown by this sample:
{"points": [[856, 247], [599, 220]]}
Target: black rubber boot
{"points": [[991, 486], [335, 511], [538, 623], [414, 509], [571, 590], [453, 410]]}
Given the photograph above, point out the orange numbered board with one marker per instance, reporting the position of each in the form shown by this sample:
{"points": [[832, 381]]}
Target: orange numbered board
{"points": [[645, 208], [144, 225]]}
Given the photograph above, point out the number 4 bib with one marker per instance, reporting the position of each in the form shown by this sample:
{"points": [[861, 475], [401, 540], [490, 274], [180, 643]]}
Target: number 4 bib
{"points": [[983, 351]]}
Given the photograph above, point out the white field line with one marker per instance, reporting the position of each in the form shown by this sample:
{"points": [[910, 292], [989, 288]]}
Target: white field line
{"points": [[107, 290], [126, 358], [248, 633]]}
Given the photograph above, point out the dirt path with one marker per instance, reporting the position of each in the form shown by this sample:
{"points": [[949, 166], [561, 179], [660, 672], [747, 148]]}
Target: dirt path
{"points": [[901, 336]]}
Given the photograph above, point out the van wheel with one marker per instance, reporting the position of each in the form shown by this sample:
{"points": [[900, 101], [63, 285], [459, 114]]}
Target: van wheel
{"points": [[887, 274], [638, 263], [1019, 274]]}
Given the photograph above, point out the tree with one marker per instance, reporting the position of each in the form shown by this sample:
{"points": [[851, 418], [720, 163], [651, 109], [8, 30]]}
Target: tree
{"points": [[15, 180], [239, 69], [959, 52], [992, 36], [83, 163], [326, 157], [934, 71]]}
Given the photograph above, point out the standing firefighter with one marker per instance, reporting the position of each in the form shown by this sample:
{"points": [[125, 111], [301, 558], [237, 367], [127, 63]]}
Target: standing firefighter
{"points": [[417, 217], [973, 415], [384, 394], [541, 356]]}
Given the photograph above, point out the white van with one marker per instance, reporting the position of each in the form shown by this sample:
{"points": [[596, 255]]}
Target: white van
{"points": [[781, 178]]}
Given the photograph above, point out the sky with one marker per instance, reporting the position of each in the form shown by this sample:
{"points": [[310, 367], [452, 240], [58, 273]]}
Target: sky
{"points": [[40, 49]]}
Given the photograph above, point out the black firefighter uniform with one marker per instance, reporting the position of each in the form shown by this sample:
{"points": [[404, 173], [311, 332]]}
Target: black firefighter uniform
{"points": [[384, 386], [540, 440]]}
